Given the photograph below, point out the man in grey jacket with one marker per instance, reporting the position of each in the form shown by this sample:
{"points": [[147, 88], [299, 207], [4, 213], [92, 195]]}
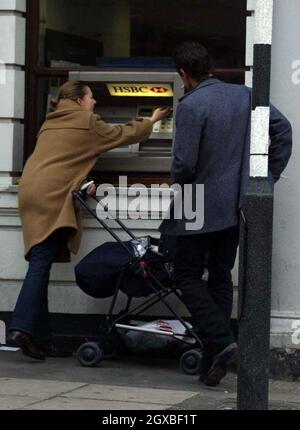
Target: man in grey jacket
{"points": [[212, 148]]}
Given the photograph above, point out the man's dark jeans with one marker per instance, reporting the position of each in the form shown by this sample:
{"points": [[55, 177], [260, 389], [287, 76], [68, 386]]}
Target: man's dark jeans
{"points": [[31, 314], [210, 303]]}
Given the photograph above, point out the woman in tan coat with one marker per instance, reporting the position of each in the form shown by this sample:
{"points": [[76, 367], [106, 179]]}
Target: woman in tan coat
{"points": [[68, 146]]}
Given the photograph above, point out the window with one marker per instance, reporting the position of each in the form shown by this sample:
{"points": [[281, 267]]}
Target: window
{"points": [[91, 32], [66, 35]]}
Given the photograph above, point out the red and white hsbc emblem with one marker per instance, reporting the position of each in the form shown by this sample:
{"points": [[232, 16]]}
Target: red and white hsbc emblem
{"points": [[140, 90], [159, 90]]}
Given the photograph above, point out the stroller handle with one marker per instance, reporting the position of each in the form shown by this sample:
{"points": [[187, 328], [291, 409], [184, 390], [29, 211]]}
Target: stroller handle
{"points": [[81, 196], [87, 185]]}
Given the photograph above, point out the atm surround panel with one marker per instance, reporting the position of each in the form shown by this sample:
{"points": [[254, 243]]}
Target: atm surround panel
{"points": [[155, 154]]}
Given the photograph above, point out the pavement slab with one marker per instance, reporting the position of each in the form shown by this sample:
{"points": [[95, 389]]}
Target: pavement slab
{"points": [[40, 389], [127, 383], [8, 403], [130, 394], [63, 403]]}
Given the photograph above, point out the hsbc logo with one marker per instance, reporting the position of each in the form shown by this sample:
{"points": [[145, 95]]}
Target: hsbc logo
{"points": [[160, 90], [131, 89], [140, 90]]}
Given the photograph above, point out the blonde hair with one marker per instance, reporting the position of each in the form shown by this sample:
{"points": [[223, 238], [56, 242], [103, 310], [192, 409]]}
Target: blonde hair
{"points": [[71, 90]]}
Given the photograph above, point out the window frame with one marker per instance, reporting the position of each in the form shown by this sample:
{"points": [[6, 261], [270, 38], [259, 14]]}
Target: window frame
{"points": [[33, 72]]}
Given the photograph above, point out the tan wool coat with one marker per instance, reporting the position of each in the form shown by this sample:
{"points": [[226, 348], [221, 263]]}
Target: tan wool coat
{"points": [[68, 146]]}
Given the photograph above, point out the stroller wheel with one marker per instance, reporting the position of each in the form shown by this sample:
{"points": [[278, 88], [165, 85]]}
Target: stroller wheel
{"points": [[90, 354], [190, 362]]}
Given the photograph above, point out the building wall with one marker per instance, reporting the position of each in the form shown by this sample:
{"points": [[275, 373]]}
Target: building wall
{"points": [[12, 86], [64, 296], [285, 94]]}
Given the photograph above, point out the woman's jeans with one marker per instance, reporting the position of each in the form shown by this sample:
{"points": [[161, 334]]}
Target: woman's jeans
{"points": [[31, 314]]}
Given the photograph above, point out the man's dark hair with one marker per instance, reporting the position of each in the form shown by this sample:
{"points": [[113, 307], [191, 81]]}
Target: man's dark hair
{"points": [[193, 58]]}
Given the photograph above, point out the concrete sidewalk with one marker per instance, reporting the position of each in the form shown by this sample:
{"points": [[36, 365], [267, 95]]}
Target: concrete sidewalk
{"points": [[124, 384]]}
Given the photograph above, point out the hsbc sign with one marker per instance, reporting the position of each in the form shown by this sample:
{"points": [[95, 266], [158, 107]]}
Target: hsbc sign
{"points": [[140, 90]]}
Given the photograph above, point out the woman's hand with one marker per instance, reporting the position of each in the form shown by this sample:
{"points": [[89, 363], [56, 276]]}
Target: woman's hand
{"points": [[159, 114]]}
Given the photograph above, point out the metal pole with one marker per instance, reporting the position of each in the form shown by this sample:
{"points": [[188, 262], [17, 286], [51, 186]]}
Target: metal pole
{"points": [[256, 232]]}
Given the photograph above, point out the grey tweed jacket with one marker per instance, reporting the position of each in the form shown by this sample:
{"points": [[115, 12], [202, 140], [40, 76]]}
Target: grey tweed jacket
{"points": [[212, 147]]}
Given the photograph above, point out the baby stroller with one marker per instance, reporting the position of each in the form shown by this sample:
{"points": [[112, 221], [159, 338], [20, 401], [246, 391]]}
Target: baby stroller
{"points": [[139, 268]]}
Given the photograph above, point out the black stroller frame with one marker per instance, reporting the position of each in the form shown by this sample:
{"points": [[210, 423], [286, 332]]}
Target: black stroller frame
{"points": [[90, 354]]}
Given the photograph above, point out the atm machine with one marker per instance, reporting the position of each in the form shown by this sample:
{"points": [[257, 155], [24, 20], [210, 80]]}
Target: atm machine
{"points": [[123, 96]]}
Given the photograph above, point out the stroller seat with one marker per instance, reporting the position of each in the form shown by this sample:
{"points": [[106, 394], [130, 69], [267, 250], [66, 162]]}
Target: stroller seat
{"points": [[98, 273]]}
